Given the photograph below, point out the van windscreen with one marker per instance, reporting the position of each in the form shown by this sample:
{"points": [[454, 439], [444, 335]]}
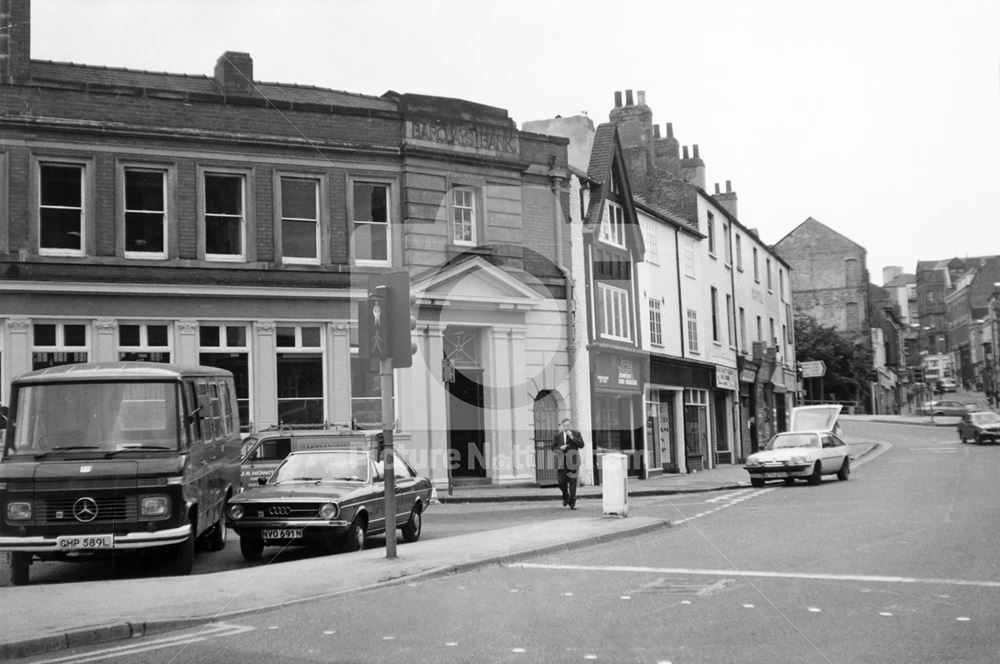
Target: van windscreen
{"points": [[105, 417]]}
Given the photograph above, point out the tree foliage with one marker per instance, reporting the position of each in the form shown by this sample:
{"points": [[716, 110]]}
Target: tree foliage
{"points": [[848, 359]]}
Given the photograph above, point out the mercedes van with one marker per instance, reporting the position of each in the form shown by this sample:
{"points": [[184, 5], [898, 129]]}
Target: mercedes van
{"points": [[103, 458]]}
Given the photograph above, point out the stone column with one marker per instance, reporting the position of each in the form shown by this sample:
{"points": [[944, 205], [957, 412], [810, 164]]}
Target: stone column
{"points": [[338, 380], [186, 344], [264, 402], [105, 345]]}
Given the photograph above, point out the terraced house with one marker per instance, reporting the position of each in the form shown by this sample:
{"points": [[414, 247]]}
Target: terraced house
{"points": [[227, 221]]}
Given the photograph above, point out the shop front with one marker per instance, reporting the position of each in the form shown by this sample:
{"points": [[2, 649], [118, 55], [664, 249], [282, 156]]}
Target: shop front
{"points": [[616, 409], [747, 371], [680, 390]]}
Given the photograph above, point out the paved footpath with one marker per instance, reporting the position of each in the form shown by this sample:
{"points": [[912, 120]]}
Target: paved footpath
{"points": [[47, 617]]}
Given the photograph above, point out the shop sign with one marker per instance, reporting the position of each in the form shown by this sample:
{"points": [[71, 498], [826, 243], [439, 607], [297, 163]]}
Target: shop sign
{"points": [[464, 136], [726, 378], [621, 372]]}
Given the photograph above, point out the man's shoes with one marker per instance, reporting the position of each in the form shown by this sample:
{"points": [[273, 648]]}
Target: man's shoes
{"points": [[572, 507], [565, 502]]}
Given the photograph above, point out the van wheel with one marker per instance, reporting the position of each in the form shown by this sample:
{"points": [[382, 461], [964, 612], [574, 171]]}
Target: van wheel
{"points": [[183, 561], [215, 538], [354, 538], [19, 563], [817, 474], [252, 547], [411, 529]]}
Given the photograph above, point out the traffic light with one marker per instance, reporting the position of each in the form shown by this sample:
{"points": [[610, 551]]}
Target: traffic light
{"points": [[918, 374], [385, 320]]}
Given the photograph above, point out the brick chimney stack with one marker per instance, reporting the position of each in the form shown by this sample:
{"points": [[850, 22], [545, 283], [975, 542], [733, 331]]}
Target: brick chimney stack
{"points": [[666, 152], [726, 199], [693, 168], [234, 72], [635, 130], [15, 41]]}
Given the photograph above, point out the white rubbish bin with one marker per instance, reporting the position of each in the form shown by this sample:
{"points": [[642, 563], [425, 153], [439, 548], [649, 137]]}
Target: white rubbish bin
{"points": [[614, 484]]}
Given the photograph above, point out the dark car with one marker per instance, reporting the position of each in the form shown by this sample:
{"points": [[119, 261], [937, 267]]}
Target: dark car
{"points": [[979, 427], [330, 499]]}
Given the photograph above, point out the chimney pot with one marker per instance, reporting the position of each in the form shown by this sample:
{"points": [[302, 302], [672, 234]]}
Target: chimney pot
{"points": [[618, 99], [628, 98], [656, 131], [641, 97], [716, 188], [684, 152], [694, 149], [670, 130], [729, 187]]}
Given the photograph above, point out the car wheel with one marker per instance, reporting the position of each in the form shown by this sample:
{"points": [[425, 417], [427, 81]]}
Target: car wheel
{"points": [[756, 482], [183, 561], [354, 538], [20, 561], [411, 529], [979, 439], [845, 470], [215, 538], [252, 547], [817, 474]]}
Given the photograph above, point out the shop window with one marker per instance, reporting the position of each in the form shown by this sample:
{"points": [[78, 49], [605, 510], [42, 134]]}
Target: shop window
{"points": [[300, 220], [463, 216], [145, 214], [143, 342], [226, 347], [370, 240], [61, 209], [300, 375], [54, 344], [225, 216]]}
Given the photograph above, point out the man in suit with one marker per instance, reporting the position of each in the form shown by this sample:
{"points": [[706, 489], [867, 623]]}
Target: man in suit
{"points": [[567, 445]]}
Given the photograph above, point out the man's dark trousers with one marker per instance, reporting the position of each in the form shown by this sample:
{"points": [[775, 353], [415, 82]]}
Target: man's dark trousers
{"points": [[567, 484]]}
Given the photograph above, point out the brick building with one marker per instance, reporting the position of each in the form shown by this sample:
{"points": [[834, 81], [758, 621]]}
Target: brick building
{"points": [[227, 221]]}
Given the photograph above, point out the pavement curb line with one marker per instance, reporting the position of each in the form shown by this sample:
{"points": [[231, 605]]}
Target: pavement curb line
{"points": [[129, 629]]}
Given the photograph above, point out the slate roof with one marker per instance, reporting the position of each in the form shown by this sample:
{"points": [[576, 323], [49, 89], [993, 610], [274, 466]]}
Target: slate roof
{"points": [[77, 75]]}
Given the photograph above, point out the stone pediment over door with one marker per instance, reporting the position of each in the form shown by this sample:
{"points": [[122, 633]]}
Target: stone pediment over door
{"points": [[476, 284]]}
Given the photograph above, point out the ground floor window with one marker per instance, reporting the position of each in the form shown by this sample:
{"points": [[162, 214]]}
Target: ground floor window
{"points": [[226, 347], [145, 342], [613, 423], [366, 395], [299, 371], [54, 344]]}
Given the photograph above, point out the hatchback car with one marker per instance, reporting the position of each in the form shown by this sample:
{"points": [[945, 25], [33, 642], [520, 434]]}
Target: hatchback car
{"points": [[945, 409], [808, 451], [330, 499], [979, 427]]}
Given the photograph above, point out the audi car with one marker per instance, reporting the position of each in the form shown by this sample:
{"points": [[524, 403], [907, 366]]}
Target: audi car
{"points": [[811, 449], [979, 427], [332, 499]]}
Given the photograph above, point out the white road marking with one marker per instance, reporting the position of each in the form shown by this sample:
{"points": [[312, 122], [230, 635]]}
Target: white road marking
{"points": [[757, 573], [213, 631]]}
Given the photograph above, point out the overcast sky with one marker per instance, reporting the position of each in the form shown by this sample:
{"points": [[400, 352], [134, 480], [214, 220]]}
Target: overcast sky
{"points": [[879, 119]]}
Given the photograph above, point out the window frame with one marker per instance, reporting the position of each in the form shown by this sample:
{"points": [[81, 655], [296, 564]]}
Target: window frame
{"points": [[246, 191], [144, 346], [280, 218], [692, 331], [168, 184], [86, 168], [613, 225], [391, 187], [710, 232], [614, 306], [60, 346], [655, 322], [454, 207]]}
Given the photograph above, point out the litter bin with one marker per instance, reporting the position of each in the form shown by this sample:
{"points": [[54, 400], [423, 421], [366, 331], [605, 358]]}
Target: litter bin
{"points": [[614, 484]]}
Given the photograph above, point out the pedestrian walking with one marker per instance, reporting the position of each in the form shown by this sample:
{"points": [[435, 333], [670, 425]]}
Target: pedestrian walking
{"points": [[567, 445]]}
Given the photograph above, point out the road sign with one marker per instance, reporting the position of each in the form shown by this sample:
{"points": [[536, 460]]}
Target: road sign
{"points": [[813, 368]]}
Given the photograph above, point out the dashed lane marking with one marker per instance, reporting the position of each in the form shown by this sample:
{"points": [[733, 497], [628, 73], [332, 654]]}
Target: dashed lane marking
{"points": [[213, 631], [864, 578]]}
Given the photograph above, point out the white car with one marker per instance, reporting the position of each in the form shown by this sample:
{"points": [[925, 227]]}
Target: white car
{"points": [[810, 449]]}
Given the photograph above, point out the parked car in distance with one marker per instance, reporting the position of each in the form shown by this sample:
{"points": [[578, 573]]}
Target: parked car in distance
{"points": [[328, 498], [809, 450], [945, 409], [979, 427], [949, 385]]}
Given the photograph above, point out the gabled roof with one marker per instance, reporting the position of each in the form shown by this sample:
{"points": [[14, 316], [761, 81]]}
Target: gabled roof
{"points": [[813, 222], [606, 148]]}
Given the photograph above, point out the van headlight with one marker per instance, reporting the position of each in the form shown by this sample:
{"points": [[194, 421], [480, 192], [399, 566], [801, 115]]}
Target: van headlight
{"points": [[155, 506], [329, 511], [18, 511], [235, 512]]}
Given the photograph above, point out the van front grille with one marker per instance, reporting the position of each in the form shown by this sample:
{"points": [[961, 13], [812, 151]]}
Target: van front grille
{"points": [[87, 509]]}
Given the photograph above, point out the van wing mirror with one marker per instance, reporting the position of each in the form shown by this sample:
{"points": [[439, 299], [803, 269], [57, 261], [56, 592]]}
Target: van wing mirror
{"points": [[261, 481]]}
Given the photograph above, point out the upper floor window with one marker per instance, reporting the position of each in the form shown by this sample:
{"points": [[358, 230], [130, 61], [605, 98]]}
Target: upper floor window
{"points": [[743, 328], [756, 266], [145, 213], [770, 284], [692, 327], [781, 283], [688, 257], [299, 220], [739, 252], [613, 225], [615, 322], [225, 216], [652, 243], [370, 240], [60, 210], [760, 329], [727, 232], [655, 322], [729, 320], [463, 216], [715, 313], [710, 223]]}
